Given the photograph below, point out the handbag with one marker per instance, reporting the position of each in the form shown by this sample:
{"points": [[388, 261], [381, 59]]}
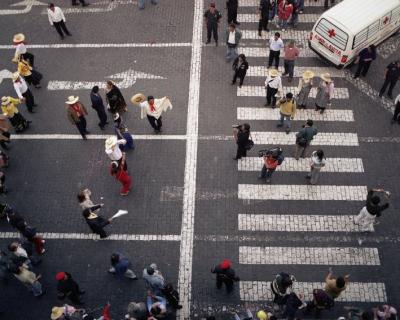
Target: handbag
{"points": [[249, 144], [301, 141]]}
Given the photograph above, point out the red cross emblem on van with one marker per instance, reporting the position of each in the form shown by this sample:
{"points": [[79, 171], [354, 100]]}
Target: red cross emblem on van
{"points": [[385, 20], [331, 33]]}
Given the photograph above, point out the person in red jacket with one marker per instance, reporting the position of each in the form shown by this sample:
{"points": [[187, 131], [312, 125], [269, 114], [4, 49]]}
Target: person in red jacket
{"points": [[119, 172], [271, 162], [285, 10]]}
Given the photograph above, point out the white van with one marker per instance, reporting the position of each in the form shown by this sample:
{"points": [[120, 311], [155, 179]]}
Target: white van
{"points": [[352, 25]]}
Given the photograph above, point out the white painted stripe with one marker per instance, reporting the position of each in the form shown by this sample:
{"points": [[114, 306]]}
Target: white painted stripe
{"points": [[250, 113], [303, 165], [256, 3], [254, 17], [259, 91], [298, 223], [261, 71], [301, 192], [299, 35], [330, 256], [305, 52], [321, 139], [189, 193], [101, 45], [93, 137], [355, 292], [29, 4], [109, 7]]}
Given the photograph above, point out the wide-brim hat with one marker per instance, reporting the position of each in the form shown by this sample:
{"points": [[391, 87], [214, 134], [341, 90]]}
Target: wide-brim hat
{"points": [[326, 77], [15, 59], [308, 74], [5, 101], [72, 100], [138, 98], [262, 315], [15, 76], [273, 72], [19, 37], [56, 313], [110, 142]]}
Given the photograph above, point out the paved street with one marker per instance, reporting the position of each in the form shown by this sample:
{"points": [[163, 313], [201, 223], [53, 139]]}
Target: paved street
{"points": [[191, 205]]}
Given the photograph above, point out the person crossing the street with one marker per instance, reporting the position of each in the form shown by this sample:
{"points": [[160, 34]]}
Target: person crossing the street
{"points": [[10, 110], [225, 275], [335, 286], [23, 92], [287, 110], [263, 10], [232, 6], [324, 93], [31, 76], [317, 163], [233, 36], [275, 47], [273, 87], [396, 114], [272, 159], [20, 49], [98, 105], [291, 53], [304, 88], [67, 287], [240, 66], [57, 19], [304, 138], [76, 112], [392, 74]]}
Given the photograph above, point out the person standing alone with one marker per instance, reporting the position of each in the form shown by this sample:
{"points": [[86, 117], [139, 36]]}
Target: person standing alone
{"points": [[232, 6], [392, 74], [97, 104], [240, 66], [76, 112], [225, 275], [212, 17], [291, 54], [275, 46], [264, 15], [233, 37], [57, 19], [364, 59]]}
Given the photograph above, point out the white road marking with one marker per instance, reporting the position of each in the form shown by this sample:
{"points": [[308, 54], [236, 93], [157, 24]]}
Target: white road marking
{"points": [[263, 113], [389, 46], [5, 74], [355, 292], [301, 192], [256, 3], [327, 256], [298, 223], [94, 137], [259, 91], [101, 45], [261, 71], [29, 4], [255, 17], [109, 7], [303, 165], [189, 194], [263, 52], [299, 35]]}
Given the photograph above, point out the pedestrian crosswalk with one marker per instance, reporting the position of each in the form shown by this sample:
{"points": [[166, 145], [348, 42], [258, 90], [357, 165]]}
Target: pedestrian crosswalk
{"points": [[336, 144]]}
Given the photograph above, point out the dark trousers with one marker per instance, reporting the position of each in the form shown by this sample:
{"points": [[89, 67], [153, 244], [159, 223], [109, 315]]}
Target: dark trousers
{"points": [[212, 29], [155, 123], [362, 68], [397, 113], [29, 100], [29, 57], [74, 3], [271, 92], [81, 125], [263, 24], [60, 27], [266, 173], [388, 82], [232, 14], [241, 152], [289, 67], [273, 56], [31, 80], [239, 75], [223, 280], [102, 117]]}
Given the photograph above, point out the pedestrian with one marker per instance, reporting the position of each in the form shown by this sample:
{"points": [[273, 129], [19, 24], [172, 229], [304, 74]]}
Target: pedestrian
{"points": [[95, 222], [3, 189], [141, 3], [31, 76], [324, 93], [212, 18], [57, 19], [123, 133], [263, 10], [154, 279], [76, 112], [285, 10], [97, 104], [303, 139], [65, 313], [115, 99], [364, 60], [225, 275], [156, 306], [293, 306], [287, 110], [23, 92], [386, 312], [29, 279], [317, 163], [136, 311], [396, 114], [10, 110], [240, 66], [273, 87], [272, 159], [84, 199], [373, 209], [4, 159], [67, 287], [20, 49], [121, 174], [392, 74], [120, 266], [232, 6], [172, 296], [241, 134], [83, 3], [113, 151], [13, 218], [23, 253], [294, 20], [275, 46], [335, 286], [232, 36], [30, 233], [304, 88], [291, 54], [321, 301]]}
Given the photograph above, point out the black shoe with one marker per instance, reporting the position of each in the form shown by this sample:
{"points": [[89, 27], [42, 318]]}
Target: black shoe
{"points": [[216, 43], [31, 111], [279, 125], [69, 35], [208, 41], [62, 37], [237, 23], [87, 132], [233, 82], [266, 104], [85, 4], [380, 95], [101, 127], [390, 96], [259, 34], [84, 137], [235, 158]]}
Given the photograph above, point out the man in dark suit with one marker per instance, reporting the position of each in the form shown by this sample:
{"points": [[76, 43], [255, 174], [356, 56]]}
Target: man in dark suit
{"points": [[97, 104], [232, 6]]}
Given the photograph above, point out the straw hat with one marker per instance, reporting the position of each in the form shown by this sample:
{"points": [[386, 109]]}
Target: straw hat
{"points": [[138, 98], [19, 37], [111, 142], [5, 101], [326, 77], [273, 73], [72, 100], [15, 76], [56, 313], [261, 315], [15, 59], [308, 74]]}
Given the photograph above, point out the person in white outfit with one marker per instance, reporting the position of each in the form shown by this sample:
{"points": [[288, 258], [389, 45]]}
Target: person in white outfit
{"points": [[317, 163], [57, 19], [273, 85]]}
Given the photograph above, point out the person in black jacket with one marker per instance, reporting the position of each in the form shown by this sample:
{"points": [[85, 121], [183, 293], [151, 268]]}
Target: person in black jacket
{"points": [[225, 275], [96, 222], [241, 134], [240, 66], [264, 16], [232, 6], [67, 287], [97, 104]]}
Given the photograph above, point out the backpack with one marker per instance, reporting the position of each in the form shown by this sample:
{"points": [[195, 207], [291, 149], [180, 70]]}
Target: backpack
{"points": [[281, 283], [277, 153], [322, 299]]}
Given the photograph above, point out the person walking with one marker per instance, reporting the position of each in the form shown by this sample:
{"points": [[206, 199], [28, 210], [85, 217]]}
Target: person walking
{"points": [[232, 36], [23, 92], [124, 134], [275, 46], [20, 49], [304, 138], [31, 76], [141, 3], [232, 7], [263, 10], [321, 301], [84, 199], [285, 10], [22, 253], [287, 110], [324, 93], [225, 275], [113, 150], [273, 87], [115, 99], [240, 66], [29, 279], [97, 104], [57, 19], [294, 19], [272, 159], [317, 163], [335, 286], [10, 110], [5, 138], [121, 174], [76, 112], [154, 279], [291, 53], [364, 60], [120, 266], [172, 296], [396, 111], [241, 135], [212, 18], [95, 222], [373, 209], [32, 236], [392, 74], [304, 88], [67, 287]]}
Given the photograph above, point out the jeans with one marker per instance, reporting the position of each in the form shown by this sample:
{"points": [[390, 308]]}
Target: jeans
{"points": [[273, 57], [301, 5], [266, 173], [142, 2], [282, 23], [36, 288], [271, 92], [284, 119], [289, 67], [231, 53], [294, 20], [396, 113], [301, 151]]}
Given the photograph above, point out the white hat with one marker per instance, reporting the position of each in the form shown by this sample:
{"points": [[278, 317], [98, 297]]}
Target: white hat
{"points": [[273, 72], [138, 98], [5, 101], [19, 37], [326, 77], [308, 74], [111, 142], [72, 100], [15, 76]]}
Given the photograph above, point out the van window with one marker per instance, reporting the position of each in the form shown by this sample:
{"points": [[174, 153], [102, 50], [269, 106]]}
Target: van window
{"points": [[396, 14], [332, 33], [366, 34], [386, 20]]}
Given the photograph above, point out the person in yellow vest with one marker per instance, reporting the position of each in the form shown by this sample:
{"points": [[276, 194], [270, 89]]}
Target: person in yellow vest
{"points": [[287, 108], [10, 110], [25, 70]]}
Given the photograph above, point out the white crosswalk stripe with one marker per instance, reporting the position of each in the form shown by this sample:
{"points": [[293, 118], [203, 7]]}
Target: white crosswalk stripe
{"points": [[305, 52], [261, 71], [355, 292], [259, 91], [254, 17], [301, 192], [256, 3], [297, 35], [263, 113], [298, 223], [303, 165]]}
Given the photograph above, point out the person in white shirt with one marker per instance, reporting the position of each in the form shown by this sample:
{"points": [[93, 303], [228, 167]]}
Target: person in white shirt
{"points": [[275, 46], [20, 49], [112, 148], [317, 163], [57, 19], [23, 92], [233, 36], [273, 85], [396, 115]]}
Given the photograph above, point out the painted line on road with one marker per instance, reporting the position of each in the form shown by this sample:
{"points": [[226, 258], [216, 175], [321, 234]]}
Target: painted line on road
{"points": [[262, 71], [263, 52], [355, 292], [256, 3], [389, 46], [94, 137], [259, 91], [301, 192], [255, 17], [297, 35], [102, 45], [298, 223]]}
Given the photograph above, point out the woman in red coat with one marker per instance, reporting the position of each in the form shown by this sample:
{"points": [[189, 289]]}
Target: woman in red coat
{"points": [[118, 171], [285, 10]]}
